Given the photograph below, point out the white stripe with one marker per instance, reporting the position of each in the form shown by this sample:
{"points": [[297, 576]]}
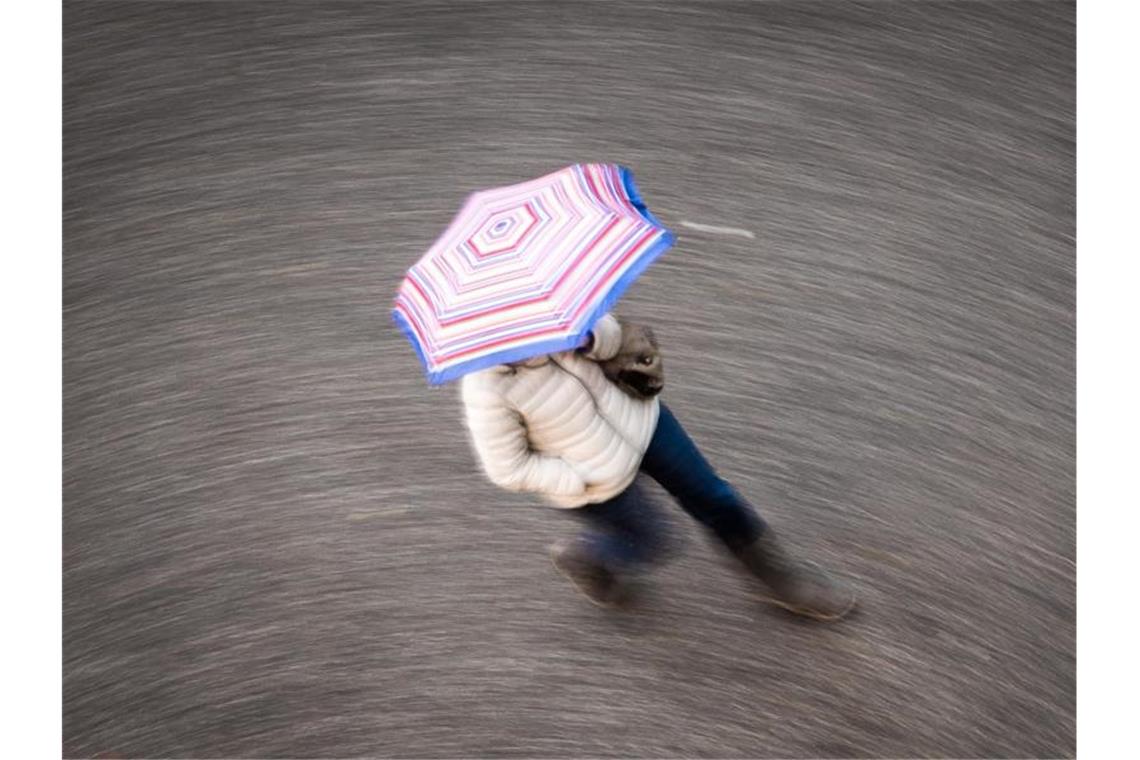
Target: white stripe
{"points": [[713, 229]]}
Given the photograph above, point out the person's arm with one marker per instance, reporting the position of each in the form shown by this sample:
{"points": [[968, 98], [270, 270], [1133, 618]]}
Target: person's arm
{"points": [[605, 339], [501, 444]]}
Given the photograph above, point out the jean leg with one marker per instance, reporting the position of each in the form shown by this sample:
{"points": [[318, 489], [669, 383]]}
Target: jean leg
{"points": [[674, 461], [624, 531]]}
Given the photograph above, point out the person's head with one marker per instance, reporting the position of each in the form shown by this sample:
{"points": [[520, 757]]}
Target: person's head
{"points": [[637, 369]]}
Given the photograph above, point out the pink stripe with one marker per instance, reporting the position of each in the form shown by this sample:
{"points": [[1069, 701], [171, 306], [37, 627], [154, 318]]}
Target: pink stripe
{"points": [[633, 251], [585, 198], [478, 307], [627, 250], [413, 318], [582, 273], [557, 284], [589, 302]]}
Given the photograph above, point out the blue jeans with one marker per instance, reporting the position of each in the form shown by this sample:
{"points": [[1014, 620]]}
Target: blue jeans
{"points": [[629, 528]]}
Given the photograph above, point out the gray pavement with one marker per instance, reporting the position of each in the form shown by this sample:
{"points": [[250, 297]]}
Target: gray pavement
{"points": [[276, 541]]}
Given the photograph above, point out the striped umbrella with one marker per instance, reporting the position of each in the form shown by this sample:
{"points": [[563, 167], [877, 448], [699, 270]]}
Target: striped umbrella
{"points": [[527, 269]]}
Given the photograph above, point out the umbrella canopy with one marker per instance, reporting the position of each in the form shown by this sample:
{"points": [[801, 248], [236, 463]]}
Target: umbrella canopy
{"points": [[527, 269]]}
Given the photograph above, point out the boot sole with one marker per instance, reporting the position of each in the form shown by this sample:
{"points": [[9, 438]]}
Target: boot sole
{"points": [[807, 612], [604, 604]]}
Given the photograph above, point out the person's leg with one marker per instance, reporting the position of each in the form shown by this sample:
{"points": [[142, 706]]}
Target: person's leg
{"points": [[625, 532], [674, 461], [620, 536]]}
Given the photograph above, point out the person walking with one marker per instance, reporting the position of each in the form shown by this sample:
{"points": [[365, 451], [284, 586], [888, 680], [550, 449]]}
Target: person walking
{"points": [[557, 426]]}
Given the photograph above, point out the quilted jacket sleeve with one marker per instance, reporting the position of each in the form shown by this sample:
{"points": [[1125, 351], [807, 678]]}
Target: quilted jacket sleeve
{"points": [[607, 339], [501, 444]]}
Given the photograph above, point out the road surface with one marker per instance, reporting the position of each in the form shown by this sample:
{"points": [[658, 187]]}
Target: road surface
{"points": [[276, 540]]}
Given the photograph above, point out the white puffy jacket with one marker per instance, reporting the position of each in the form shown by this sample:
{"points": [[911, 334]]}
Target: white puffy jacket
{"points": [[557, 427]]}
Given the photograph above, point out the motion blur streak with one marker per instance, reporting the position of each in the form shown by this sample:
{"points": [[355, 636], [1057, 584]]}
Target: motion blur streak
{"points": [[276, 541]]}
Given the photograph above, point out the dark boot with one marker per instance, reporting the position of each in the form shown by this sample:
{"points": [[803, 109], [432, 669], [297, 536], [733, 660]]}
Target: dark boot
{"points": [[598, 583], [802, 588]]}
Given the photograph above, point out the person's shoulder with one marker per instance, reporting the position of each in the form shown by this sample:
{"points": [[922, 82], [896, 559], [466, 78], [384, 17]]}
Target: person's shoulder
{"points": [[572, 358], [485, 375], [578, 364], [487, 379]]}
